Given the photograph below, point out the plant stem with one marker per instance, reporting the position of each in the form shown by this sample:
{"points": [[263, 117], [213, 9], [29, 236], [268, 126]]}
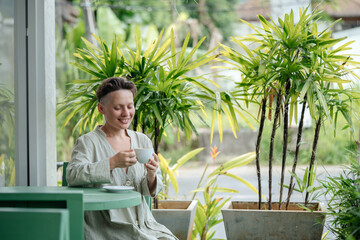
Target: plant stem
{"points": [[298, 140], [156, 149], [156, 135], [313, 155], [285, 138], [258, 141], [271, 151], [135, 122], [166, 187], [200, 181]]}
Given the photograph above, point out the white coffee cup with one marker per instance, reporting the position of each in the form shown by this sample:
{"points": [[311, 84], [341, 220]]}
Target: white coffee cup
{"points": [[143, 154]]}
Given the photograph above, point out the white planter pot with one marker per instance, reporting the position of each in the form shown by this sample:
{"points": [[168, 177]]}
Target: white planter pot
{"points": [[243, 220], [177, 216]]}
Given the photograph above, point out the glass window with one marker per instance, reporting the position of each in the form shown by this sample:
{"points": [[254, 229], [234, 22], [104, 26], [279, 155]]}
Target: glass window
{"points": [[7, 118]]}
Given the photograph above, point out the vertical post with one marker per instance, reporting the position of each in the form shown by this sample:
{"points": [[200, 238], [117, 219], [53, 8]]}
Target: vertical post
{"points": [[41, 92], [35, 84], [20, 86], [89, 21]]}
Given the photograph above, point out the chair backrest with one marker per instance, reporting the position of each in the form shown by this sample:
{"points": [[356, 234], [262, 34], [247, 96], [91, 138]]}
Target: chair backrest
{"points": [[34, 223], [59, 198], [148, 199]]}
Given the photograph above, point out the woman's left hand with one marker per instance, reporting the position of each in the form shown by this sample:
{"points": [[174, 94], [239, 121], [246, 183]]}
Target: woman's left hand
{"points": [[151, 168]]}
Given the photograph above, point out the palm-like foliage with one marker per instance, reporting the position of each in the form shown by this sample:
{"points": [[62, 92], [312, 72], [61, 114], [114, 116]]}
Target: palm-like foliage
{"points": [[298, 64], [167, 93], [169, 171], [209, 214], [344, 202]]}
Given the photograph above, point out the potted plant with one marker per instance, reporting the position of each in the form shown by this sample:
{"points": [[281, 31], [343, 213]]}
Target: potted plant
{"points": [[177, 215], [344, 202], [292, 63], [208, 214]]}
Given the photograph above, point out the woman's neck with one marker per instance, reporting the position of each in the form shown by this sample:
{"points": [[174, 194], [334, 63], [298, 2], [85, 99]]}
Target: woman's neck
{"points": [[121, 133]]}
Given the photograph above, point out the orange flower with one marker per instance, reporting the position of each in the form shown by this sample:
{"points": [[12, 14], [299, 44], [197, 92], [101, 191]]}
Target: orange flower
{"points": [[214, 152]]}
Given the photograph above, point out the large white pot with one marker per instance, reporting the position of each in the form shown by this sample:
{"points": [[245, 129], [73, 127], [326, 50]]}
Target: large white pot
{"points": [[243, 220], [177, 216]]}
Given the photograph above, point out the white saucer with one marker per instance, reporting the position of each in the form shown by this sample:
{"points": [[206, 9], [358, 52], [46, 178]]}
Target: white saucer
{"points": [[118, 189]]}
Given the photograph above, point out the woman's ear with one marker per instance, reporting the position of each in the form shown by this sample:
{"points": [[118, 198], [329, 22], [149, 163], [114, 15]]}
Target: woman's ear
{"points": [[100, 107]]}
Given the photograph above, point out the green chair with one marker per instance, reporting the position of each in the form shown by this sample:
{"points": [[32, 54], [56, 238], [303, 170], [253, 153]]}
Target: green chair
{"points": [[148, 199], [70, 200], [34, 223], [64, 182]]}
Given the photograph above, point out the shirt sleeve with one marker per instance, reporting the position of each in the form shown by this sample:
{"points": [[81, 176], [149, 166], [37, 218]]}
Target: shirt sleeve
{"points": [[82, 169]]}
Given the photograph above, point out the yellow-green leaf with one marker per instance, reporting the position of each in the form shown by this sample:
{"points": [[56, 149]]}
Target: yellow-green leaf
{"points": [[248, 184], [187, 157]]}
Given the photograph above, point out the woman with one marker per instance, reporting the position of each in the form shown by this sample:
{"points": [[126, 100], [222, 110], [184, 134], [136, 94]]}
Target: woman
{"points": [[106, 156]]}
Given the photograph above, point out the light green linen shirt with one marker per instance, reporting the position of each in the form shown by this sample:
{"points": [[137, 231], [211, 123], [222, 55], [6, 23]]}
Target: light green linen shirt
{"points": [[90, 166]]}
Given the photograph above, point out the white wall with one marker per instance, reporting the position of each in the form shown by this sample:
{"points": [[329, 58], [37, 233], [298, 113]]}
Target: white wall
{"points": [[280, 7], [352, 35]]}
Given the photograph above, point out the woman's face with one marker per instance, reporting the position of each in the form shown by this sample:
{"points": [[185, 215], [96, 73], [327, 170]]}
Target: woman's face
{"points": [[118, 109]]}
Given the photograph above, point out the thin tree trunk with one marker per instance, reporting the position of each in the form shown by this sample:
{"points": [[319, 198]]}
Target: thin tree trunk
{"points": [[271, 151], [89, 20], [215, 33], [143, 128], [135, 122], [262, 121], [156, 149], [313, 155], [298, 140], [285, 138], [156, 136]]}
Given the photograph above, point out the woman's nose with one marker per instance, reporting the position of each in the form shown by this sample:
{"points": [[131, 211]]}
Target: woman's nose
{"points": [[125, 112]]}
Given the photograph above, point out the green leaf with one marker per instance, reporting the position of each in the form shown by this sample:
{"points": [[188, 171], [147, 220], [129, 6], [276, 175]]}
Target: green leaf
{"points": [[93, 73], [169, 172], [248, 184], [187, 157], [241, 160], [230, 119]]}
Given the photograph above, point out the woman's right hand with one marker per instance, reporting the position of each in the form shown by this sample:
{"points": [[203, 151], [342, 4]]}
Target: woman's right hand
{"points": [[123, 159]]}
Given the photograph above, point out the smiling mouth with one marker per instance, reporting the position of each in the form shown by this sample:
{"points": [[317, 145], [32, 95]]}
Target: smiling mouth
{"points": [[124, 120]]}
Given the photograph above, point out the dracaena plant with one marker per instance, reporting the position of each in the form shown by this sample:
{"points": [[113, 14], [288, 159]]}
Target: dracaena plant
{"points": [[168, 91], [169, 94], [208, 215], [343, 194], [292, 63], [169, 170]]}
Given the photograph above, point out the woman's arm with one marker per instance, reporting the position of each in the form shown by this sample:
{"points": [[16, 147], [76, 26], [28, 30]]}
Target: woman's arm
{"points": [[83, 169]]}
